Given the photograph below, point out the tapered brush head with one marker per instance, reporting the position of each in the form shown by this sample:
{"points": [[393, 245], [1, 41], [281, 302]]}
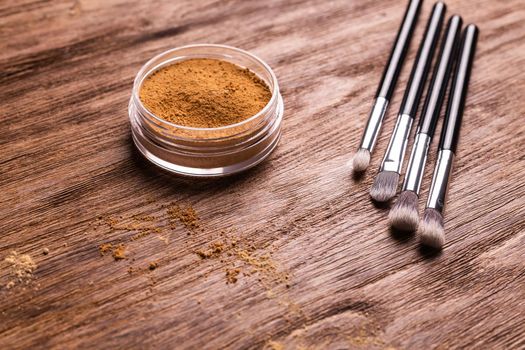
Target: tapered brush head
{"points": [[385, 186], [431, 230], [404, 215], [361, 160]]}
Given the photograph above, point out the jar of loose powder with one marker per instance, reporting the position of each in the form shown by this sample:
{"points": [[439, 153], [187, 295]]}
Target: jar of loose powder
{"points": [[223, 117]]}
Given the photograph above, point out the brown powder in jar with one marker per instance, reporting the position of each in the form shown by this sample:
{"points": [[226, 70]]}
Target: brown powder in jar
{"points": [[204, 93]]}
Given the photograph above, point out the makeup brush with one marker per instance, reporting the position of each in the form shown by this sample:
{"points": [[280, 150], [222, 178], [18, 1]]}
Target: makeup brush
{"points": [[404, 214], [385, 184], [431, 231], [386, 87]]}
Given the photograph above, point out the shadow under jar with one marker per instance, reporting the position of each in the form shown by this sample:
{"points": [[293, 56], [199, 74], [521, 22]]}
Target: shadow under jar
{"points": [[207, 152]]}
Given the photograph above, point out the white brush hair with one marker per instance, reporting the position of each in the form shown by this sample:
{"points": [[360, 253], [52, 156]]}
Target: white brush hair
{"points": [[404, 215], [431, 230], [361, 160], [385, 186]]}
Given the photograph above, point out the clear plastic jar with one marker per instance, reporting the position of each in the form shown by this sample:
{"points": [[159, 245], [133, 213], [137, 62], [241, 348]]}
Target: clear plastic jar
{"points": [[207, 152]]}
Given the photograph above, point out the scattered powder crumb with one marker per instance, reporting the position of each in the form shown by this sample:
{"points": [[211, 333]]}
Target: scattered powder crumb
{"points": [[258, 263], [22, 268], [244, 252], [105, 248], [112, 223], [245, 257], [45, 251], [215, 249], [22, 265], [119, 252], [153, 265], [187, 216], [231, 275], [138, 223], [144, 217], [143, 225], [143, 232]]}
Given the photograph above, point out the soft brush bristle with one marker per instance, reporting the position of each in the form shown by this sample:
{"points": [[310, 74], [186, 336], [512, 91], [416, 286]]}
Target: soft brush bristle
{"points": [[361, 160], [385, 186], [404, 215], [431, 231]]}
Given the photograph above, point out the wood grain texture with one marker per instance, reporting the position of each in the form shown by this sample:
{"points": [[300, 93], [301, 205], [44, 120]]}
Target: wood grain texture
{"points": [[66, 71]]}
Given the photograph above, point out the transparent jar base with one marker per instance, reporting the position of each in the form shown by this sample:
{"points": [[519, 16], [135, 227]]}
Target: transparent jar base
{"points": [[207, 152], [155, 154]]}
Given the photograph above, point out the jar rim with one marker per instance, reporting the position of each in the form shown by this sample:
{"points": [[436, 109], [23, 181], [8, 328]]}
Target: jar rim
{"points": [[264, 110]]}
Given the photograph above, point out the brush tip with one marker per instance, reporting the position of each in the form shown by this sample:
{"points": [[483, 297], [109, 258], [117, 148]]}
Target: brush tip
{"points": [[385, 186], [361, 160], [431, 230], [404, 215]]}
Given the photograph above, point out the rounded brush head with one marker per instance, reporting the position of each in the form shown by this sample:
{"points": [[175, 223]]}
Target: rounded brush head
{"points": [[361, 160], [431, 230], [385, 186], [404, 215]]}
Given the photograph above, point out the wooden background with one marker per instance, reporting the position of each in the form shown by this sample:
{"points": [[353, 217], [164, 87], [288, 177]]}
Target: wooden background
{"points": [[323, 271]]}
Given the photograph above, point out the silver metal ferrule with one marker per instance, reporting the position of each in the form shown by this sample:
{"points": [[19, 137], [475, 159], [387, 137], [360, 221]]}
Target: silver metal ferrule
{"points": [[373, 126], [416, 164], [440, 181], [395, 152]]}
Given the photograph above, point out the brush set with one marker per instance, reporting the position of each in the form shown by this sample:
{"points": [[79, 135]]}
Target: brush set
{"points": [[452, 68]]}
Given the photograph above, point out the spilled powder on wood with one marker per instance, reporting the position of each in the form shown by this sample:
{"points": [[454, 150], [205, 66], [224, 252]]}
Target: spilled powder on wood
{"points": [[21, 268], [119, 252], [231, 275]]}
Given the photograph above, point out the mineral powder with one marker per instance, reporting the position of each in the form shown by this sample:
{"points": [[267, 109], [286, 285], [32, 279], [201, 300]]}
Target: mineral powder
{"points": [[204, 93], [22, 268]]}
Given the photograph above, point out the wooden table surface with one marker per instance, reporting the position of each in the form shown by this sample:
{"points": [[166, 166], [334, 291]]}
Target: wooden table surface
{"points": [[289, 255]]}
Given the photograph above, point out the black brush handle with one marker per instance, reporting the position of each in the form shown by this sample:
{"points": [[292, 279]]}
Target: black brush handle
{"points": [[458, 90], [440, 77], [419, 74], [399, 51]]}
